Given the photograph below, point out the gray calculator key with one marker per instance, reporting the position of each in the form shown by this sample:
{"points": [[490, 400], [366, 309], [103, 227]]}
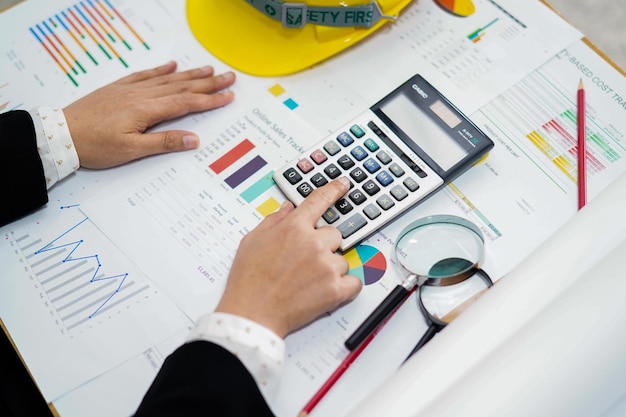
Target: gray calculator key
{"points": [[398, 192], [351, 225], [371, 211], [411, 184], [383, 157], [396, 170], [330, 215], [385, 202], [332, 148]]}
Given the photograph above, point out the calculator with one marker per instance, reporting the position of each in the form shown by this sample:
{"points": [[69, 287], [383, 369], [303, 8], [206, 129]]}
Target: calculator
{"points": [[396, 154]]}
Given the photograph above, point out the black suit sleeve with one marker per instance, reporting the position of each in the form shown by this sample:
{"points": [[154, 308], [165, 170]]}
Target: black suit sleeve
{"points": [[203, 379], [22, 181]]}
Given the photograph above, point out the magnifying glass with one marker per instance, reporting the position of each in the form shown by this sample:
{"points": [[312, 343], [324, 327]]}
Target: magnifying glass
{"points": [[437, 251], [441, 305]]}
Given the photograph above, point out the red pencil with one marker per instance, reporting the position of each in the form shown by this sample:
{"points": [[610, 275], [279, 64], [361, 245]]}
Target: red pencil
{"points": [[345, 364], [582, 176], [334, 377]]}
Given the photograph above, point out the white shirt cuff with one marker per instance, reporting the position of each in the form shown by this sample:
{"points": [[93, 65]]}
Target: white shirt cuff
{"points": [[54, 143], [260, 350]]}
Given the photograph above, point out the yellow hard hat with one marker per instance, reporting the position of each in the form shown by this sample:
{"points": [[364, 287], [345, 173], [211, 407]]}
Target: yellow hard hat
{"points": [[274, 37]]}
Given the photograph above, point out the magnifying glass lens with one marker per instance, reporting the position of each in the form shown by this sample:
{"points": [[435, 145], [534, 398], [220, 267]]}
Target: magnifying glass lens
{"points": [[439, 250]]}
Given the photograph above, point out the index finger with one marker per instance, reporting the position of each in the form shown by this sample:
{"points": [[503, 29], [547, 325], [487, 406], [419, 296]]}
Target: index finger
{"points": [[319, 200]]}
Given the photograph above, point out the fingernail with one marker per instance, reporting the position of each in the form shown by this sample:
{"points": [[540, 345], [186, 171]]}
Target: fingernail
{"points": [[345, 181], [228, 76], [190, 141]]}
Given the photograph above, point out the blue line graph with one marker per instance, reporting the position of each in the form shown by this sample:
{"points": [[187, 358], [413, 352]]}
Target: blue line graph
{"points": [[73, 246]]}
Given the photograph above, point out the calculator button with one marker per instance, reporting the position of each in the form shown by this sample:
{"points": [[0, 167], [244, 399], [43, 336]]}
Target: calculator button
{"points": [[358, 174], [359, 153], [371, 211], [305, 165], [318, 156], [351, 225], [398, 192], [318, 180], [332, 148], [371, 165], [304, 189], [371, 188], [385, 202], [370, 144], [332, 171], [411, 184], [343, 206], [345, 139], [357, 131], [345, 162], [383, 157], [330, 215], [292, 176], [384, 178], [396, 170], [357, 197]]}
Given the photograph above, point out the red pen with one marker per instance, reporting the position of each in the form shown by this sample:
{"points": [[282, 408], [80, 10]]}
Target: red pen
{"points": [[344, 365], [582, 176]]}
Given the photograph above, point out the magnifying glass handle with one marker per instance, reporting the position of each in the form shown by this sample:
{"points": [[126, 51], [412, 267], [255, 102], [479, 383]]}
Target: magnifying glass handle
{"points": [[433, 329], [384, 309]]}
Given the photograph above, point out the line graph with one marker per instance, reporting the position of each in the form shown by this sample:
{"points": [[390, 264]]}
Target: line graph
{"points": [[77, 282], [95, 277]]}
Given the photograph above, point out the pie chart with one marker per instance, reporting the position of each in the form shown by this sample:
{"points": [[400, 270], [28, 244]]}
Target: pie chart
{"points": [[367, 263], [462, 8]]}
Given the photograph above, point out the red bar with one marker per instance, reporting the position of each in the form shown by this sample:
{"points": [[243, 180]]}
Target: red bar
{"points": [[231, 156]]}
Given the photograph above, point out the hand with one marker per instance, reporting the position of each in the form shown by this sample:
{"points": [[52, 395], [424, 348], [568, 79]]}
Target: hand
{"points": [[286, 272], [108, 125]]}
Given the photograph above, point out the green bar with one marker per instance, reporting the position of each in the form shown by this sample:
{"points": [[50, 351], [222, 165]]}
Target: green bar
{"points": [[258, 188]]}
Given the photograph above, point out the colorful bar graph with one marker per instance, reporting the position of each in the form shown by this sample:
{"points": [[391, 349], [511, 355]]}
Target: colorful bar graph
{"points": [[91, 28], [232, 156], [543, 112], [476, 35], [245, 171]]}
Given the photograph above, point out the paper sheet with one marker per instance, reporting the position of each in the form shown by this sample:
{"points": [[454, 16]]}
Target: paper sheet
{"points": [[178, 220]]}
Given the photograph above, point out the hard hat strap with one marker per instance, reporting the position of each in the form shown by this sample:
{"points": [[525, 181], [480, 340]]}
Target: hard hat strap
{"points": [[296, 15]]}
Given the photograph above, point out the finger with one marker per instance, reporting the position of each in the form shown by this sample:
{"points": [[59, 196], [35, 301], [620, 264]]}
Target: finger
{"points": [[319, 200], [159, 71], [163, 142], [175, 84], [170, 107], [330, 236], [349, 287]]}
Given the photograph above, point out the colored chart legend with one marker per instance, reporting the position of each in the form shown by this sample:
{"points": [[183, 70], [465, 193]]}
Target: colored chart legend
{"points": [[86, 35], [278, 90], [367, 263]]}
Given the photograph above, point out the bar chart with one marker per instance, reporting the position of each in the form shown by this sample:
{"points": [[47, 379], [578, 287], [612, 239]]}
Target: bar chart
{"points": [[86, 35], [541, 111]]}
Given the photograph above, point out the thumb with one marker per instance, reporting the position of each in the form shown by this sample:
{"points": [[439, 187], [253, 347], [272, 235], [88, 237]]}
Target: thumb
{"points": [[167, 141]]}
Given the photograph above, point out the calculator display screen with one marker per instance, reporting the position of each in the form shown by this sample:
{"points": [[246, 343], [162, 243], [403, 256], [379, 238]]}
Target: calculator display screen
{"points": [[423, 130]]}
